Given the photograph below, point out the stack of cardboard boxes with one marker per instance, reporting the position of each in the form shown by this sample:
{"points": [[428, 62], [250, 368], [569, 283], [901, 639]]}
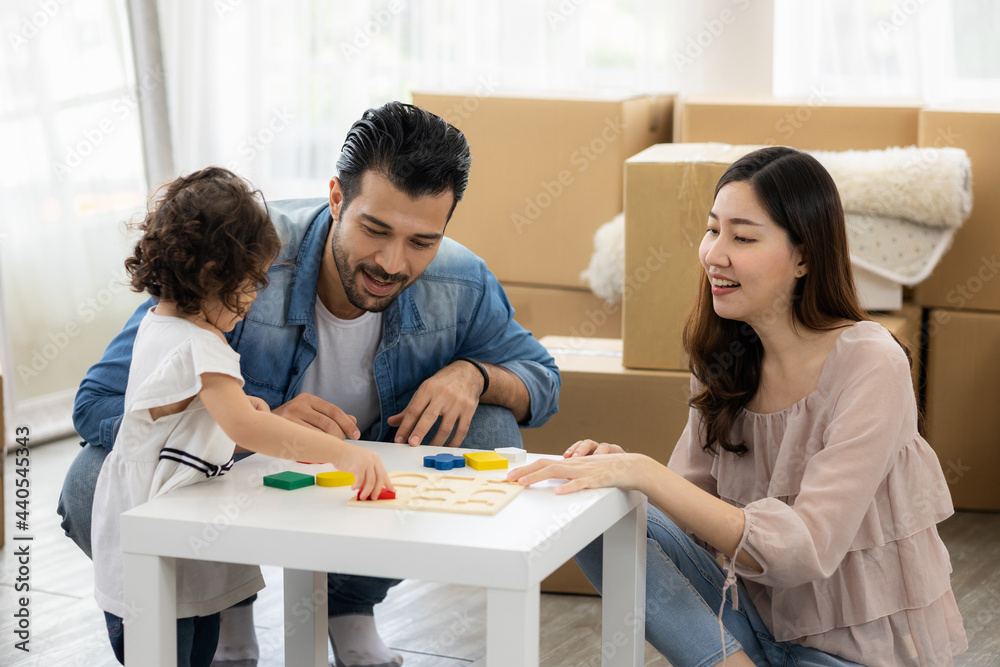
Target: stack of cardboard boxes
{"points": [[952, 318], [961, 302], [669, 191], [546, 173]]}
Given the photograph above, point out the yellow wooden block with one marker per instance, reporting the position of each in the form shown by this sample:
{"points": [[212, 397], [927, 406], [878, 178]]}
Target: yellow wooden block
{"points": [[334, 478], [485, 461]]}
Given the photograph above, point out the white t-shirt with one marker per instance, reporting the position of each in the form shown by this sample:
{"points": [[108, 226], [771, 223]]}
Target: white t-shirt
{"points": [[152, 457], [343, 371]]}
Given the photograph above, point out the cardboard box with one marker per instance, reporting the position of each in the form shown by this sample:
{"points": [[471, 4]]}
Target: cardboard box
{"points": [[967, 274], [557, 311], [643, 411], [963, 419], [812, 123], [905, 324], [546, 173], [669, 191]]}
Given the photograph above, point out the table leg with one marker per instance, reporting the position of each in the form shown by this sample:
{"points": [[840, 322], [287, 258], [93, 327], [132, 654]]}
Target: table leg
{"points": [[512, 619], [305, 618], [624, 591], [151, 610]]}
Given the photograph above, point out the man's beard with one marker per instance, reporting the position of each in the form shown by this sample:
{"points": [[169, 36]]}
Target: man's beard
{"points": [[348, 278]]}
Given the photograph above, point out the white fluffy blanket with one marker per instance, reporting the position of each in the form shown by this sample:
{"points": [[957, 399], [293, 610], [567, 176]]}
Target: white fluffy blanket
{"points": [[902, 207]]}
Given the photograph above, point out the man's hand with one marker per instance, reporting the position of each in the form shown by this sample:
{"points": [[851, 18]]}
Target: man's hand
{"points": [[259, 404], [452, 394], [314, 412]]}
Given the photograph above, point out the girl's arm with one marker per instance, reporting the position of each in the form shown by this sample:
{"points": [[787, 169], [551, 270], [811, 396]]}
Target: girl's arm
{"points": [[715, 521], [269, 434]]}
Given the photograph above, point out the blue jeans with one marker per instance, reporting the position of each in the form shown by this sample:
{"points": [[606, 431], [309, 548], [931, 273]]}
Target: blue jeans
{"points": [[491, 427], [197, 639], [683, 594]]}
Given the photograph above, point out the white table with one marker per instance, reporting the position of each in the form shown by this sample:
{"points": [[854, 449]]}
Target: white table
{"points": [[312, 531]]}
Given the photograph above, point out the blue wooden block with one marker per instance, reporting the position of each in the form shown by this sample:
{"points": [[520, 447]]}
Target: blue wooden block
{"points": [[444, 461]]}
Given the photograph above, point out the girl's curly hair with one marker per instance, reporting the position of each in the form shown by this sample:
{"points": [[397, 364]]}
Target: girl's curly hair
{"points": [[206, 235]]}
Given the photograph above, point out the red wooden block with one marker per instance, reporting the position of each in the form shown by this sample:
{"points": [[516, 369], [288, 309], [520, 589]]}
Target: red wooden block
{"points": [[384, 494]]}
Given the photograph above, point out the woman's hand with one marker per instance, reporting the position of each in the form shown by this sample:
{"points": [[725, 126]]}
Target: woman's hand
{"points": [[588, 447], [624, 471]]}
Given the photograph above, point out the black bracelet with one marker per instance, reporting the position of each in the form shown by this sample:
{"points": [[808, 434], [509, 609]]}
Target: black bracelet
{"points": [[482, 369]]}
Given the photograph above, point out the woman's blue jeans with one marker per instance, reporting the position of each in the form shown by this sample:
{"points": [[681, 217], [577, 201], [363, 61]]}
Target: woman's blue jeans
{"points": [[683, 595]]}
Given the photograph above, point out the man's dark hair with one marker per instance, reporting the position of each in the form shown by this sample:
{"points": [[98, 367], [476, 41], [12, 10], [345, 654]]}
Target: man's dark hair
{"points": [[418, 152]]}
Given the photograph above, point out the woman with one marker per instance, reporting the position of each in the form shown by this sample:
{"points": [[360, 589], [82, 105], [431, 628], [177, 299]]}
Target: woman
{"points": [[801, 462]]}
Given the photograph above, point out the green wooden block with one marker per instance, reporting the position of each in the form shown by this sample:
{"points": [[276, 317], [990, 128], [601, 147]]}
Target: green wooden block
{"points": [[288, 480]]}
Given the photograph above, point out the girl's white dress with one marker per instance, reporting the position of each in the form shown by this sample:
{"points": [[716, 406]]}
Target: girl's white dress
{"points": [[151, 458]]}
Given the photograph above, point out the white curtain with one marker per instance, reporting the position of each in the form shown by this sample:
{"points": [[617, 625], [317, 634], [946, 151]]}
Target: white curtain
{"points": [[931, 51], [70, 176], [270, 88]]}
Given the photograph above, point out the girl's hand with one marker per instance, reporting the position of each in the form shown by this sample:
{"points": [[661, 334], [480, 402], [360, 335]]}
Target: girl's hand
{"points": [[588, 447], [623, 471], [370, 476], [259, 404]]}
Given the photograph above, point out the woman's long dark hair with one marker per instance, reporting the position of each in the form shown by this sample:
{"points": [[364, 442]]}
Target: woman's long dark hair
{"points": [[726, 355]]}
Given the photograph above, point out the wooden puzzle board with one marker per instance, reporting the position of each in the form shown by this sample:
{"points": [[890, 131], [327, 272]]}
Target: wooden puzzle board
{"points": [[445, 492]]}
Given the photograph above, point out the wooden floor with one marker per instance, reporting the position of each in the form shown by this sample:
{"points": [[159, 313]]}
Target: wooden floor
{"points": [[429, 624]]}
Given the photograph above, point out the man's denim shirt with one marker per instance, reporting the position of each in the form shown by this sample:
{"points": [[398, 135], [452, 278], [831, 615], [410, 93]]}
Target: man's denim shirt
{"points": [[455, 309]]}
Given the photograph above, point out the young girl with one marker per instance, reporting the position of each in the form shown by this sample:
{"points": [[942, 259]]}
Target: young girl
{"points": [[206, 247], [801, 461]]}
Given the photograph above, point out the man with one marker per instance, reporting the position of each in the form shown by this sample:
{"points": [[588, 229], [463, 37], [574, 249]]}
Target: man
{"points": [[373, 326]]}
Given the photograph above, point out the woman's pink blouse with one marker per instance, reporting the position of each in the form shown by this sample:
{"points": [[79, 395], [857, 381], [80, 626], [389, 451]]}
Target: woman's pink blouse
{"points": [[842, 497]]}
